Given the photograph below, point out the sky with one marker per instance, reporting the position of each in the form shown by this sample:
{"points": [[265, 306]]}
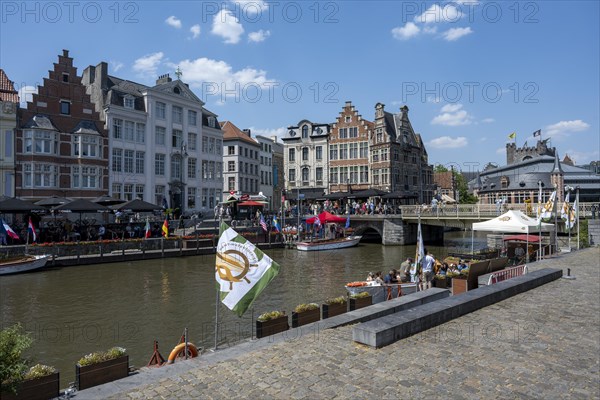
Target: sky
{"points": [[471, 72]]}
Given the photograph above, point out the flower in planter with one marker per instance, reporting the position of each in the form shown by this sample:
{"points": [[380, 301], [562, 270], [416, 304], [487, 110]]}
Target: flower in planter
{"points": [[361, 295], [100, 356], [336, 300], [440, 277], [306, 307], [270, 315], [38, 371]]}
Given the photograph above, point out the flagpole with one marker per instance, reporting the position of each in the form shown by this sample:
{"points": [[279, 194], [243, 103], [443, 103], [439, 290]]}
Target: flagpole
{"points": [[577, 213], [217, 300], [539, 210]]}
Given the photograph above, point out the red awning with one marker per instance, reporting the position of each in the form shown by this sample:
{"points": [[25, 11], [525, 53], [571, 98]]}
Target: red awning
{"points": [[250, 203], [523, 238], [326, 217]]}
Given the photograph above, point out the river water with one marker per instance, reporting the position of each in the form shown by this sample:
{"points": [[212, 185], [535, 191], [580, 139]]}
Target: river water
{"points": [[76, 310]]}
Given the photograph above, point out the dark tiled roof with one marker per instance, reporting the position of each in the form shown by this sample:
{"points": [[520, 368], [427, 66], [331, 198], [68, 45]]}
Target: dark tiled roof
{"points": [[40, 121], [86, 127], [7, 89]]}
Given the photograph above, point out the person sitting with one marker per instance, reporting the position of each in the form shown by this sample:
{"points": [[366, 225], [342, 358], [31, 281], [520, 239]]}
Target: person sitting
{"points": [[370, 277], [405, 270], [452, 269], [443, 269], [378, 278], [391, 277]]}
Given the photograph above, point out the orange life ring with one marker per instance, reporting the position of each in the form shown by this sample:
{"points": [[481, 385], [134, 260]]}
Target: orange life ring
{"points": [[180, 348]]}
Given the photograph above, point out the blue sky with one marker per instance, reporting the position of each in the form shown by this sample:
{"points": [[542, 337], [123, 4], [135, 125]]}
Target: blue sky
{"points": [[470, 72]]}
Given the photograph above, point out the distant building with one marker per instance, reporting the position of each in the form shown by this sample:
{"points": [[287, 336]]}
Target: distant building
{"points": [[61, 144], [265, 167], [528, 169], [241, 160], [278, 174], [445, 184], [306, 160], [9, 103]]}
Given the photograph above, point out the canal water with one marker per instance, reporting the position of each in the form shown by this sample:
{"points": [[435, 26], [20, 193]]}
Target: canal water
{"points": [[73, 311]]}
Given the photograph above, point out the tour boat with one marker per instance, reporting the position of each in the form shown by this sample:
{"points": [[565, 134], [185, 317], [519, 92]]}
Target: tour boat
{"points": [[329, 244], [23, 264]]}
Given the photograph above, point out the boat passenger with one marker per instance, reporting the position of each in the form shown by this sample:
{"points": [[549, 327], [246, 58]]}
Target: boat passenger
{"points": [[370, 277], [405, 270], [443, 269], [391, 277], [378, 278]]}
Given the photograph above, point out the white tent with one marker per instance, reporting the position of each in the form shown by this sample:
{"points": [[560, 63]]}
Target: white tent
{"points": [[512, 222], [448, 199]]}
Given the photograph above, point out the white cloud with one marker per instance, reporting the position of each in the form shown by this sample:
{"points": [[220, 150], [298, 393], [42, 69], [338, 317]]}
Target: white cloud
{"points": [[268, 132], [173, 21], [434, 99], [430, 30], [226, 25], [258, 36], [406, 32], [251, 7], [195, 31], [446, 142], [452, 115], [437, 13], [582, 157], [453, 34], [26, 94], [116, 65], [488, 120], [466, 2], [147, 64], [565, 128]]}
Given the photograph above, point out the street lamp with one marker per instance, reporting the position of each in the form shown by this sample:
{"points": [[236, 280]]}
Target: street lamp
{"points": [[539, 216], [568, 189]]}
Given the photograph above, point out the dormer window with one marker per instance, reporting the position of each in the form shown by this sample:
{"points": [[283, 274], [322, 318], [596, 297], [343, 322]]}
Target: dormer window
{"points": [[176, 90], [129, 102], [211, 122], [305, 132], [65, 77], [348, 119], [504, 182]]}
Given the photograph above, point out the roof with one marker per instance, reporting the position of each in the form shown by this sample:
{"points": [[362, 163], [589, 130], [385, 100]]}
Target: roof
{"points": [[232, 132], [40, 121], [443, 179], [512, 222], [86, 128], [7, 89]]}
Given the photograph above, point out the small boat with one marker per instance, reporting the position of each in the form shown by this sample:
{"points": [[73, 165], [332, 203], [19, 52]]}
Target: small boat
{"points": [[329, 244], [23, 264]]}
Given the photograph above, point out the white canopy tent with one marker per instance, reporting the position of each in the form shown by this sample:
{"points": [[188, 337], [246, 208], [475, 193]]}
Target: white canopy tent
{"points": [[512, 222]]}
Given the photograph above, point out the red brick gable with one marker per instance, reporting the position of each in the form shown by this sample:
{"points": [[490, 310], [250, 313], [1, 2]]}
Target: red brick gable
{"points": [[7, 89]]}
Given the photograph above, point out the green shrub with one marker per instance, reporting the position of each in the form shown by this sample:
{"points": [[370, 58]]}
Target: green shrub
{"points": [[360, 295], [38, 371], [336, 300], [13, 342], [100, 356], [306, 307], [270, 315]]}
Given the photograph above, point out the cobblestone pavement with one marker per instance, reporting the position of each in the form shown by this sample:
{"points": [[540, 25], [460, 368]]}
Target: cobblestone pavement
{"points": [[544, 343]]}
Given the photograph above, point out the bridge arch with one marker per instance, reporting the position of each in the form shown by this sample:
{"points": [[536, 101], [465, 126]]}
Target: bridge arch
{"points": [[362, 229]]}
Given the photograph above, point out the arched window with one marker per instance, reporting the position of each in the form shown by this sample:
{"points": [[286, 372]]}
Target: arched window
{"points": [[305, 175], [304, 131], [504, 182]]}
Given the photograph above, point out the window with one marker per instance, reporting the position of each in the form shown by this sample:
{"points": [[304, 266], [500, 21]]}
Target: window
{"points": [[219, 170], [319, 175], [292, 175], [128, 161], [161, 110], [139, 191], [41, 142], [177, 138], [231, 166], [343, 151], [262, 177], [65, 77], [117, 128], [348, 118], [177, 115], [192, 141], [129, 102], [140, 133], [140, 158], [159, 194], [160, 133], [305, 154], [343, 174], [304, 131], [364, 150], [354, 174], [85, 146], [231, 183], [191, 197], [385, 173], [319, 153], [245, 152], [84, 177], [40, 175], [117, 160], [364, 174], [117, 190], [292, 155], [211, 145], [333, 175], [504, 182], [192, 118], [333, 152], [8, 143], [212, 122], [65, 107], [379, 136], [343, 133], [128, 192], [375, 156], [176, 168], [191, 173], [353, 132], [219, 144], [128, 131], [159, 164], [384, 155], [230, 150], [353, 149]]}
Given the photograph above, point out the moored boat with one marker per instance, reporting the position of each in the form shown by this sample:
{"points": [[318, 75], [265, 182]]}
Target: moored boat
{"points": [[23, 264], [329, 244]]}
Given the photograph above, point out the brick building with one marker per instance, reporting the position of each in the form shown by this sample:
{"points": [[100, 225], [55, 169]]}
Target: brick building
{"points": [[9, 102], [61, 145]]}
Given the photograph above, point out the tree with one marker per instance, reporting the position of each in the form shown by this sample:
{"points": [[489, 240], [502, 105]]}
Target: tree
{"points": [[13, 342]]}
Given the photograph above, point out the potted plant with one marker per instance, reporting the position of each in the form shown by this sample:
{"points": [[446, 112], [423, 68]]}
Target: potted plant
{"points": [[101, 367], [360, 300], [441, 281], [305, 314], [271, 323], [335, 306], [459, 282]]}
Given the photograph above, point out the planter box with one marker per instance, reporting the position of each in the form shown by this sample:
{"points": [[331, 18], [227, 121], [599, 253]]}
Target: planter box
{"points": [[331, 310], [271, 327], [458, 286], [442, 283], [44, 388], [355, 304], [306, 317], [97, 374]]}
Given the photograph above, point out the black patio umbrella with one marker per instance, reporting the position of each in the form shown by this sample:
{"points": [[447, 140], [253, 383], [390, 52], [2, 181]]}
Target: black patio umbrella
{"points": [[52, 201], [106, 200], [14, 205], [370, 193], [137, 205], [81, 206]]}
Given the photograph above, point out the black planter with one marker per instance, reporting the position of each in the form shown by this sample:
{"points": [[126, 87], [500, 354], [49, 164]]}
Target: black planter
{"points": [[96, 374], [331, 310], [272, 326], [306, 317], [355, 304], [44, 388]]}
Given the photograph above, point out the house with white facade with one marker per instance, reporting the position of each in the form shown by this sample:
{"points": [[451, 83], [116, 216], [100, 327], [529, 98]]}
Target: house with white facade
{"points": [[241, 154], [266, 169]]}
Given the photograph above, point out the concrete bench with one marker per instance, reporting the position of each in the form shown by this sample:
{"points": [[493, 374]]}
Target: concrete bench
{"points": [[391, 328]]}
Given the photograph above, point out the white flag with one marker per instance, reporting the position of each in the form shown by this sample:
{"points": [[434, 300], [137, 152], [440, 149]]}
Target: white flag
{"points": [[242, 270], [548, 207]]}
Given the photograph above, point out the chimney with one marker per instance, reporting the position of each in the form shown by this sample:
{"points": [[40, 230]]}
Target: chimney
{"points": [[65, 53], [163, 79], [102, 75], [274, 138], [247, 132]]}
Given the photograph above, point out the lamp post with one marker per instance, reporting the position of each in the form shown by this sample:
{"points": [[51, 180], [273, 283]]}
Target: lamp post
{"points": [[577, 213], [539, 216], [569, 189], [555, 212]]}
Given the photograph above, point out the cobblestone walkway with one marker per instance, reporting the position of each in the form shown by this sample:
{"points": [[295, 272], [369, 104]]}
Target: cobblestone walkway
{"points": [[541, 344]]}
